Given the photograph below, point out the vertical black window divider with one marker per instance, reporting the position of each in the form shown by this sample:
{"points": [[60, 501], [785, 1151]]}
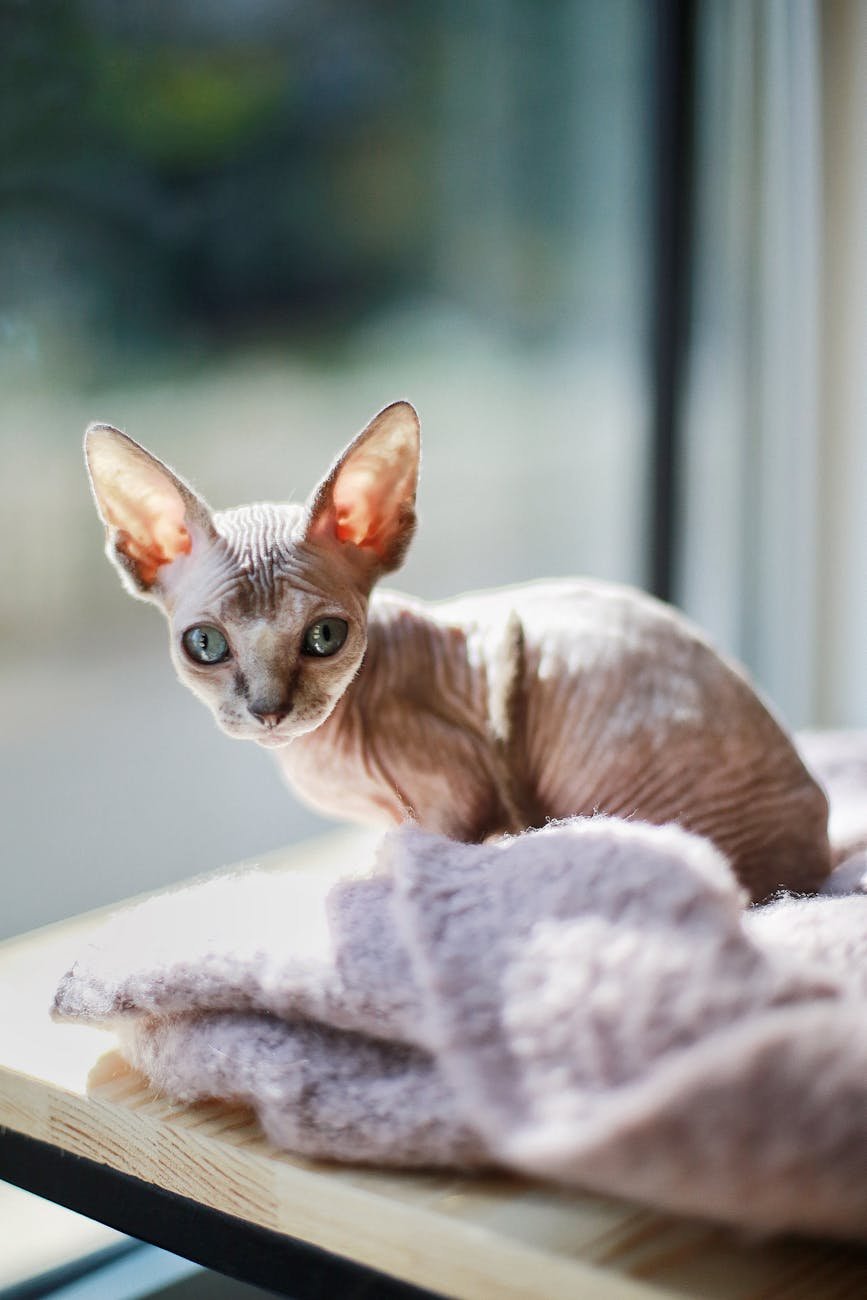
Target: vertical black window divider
{"points": [[672, 190]]}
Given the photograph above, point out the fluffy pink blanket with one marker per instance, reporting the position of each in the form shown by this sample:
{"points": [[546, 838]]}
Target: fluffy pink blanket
{"points": [[592, 1003]]}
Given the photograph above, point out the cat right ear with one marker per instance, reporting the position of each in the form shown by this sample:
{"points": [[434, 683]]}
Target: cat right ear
{"points": [[151, 516], [366, 503]]}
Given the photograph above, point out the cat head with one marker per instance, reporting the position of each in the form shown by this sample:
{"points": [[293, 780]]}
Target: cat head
{"points": [[266, 604]]}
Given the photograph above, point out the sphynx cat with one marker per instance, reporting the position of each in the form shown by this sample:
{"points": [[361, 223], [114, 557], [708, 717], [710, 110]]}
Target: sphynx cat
{"points": [[475, 717]]}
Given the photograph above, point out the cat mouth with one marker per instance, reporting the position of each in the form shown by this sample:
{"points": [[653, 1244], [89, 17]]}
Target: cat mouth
{"points": [[271, 739], [299, 724]]}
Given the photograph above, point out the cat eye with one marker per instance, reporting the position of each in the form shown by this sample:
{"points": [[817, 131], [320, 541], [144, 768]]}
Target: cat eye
{"points": [[325, 637], [205, 644]]}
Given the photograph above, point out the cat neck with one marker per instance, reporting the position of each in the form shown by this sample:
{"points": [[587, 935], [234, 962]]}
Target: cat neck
{"points": [[417, 659], [420, 695]]}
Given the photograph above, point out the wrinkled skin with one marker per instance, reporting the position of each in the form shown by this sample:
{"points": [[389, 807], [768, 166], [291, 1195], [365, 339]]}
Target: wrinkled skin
{"points": [[620, 707], [476, 717]]}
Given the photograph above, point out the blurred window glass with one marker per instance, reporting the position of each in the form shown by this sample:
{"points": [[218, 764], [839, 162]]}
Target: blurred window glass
{"points": [[236, 229]]}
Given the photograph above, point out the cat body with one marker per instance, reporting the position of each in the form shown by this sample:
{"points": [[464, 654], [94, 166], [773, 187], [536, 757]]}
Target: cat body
{"points": [[479, 716], [504, 709]]}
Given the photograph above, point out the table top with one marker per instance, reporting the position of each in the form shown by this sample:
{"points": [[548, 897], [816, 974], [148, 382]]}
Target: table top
{"points": [[472, 1237]]}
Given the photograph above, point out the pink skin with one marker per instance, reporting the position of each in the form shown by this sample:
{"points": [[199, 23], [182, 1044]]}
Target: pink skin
{"points": [[475, 717]]}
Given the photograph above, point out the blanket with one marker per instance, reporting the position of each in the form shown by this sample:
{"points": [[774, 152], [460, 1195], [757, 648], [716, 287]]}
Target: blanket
{"points": [[592, 1003]]}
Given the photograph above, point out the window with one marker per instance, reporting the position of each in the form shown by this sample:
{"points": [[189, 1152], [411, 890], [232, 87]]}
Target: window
{"points": [[237, 230]]}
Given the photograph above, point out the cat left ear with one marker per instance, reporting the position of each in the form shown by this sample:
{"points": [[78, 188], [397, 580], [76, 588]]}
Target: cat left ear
{"points": [[150, 515], [367, 500]]}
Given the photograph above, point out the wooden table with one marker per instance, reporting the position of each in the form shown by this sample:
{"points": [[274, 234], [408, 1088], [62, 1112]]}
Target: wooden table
{"points": [[81, 1128]]}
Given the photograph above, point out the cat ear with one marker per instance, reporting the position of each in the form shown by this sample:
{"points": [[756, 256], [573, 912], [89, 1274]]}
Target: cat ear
{"points": [[151, 517], [367, 500]]}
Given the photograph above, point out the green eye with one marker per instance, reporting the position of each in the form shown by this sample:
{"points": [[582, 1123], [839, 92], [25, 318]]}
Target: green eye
{"points": [[325, 637], [205, 644]]}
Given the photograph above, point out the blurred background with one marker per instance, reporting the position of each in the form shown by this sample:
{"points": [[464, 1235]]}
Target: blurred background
{"points": [[614, 252]]}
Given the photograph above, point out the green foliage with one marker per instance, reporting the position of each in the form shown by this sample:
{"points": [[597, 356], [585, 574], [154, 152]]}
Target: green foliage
{"points": [[184, 108]]}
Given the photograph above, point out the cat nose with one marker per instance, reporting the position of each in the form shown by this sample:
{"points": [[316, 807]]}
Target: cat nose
{"points": [[268, 716]]}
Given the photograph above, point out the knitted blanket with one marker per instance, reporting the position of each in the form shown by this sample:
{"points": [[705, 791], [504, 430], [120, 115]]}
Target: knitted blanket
{"points": [[592, 1003]]}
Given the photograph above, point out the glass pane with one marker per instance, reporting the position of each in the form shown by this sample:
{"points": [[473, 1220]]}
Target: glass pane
{"points": [[237, 229]]}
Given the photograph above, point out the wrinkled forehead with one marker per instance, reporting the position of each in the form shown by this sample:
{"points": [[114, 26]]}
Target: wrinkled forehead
{"points": [[259, 535], [266, 570]]}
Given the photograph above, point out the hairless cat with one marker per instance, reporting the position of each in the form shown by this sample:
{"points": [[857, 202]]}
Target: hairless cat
{"points": [[476, 717]]}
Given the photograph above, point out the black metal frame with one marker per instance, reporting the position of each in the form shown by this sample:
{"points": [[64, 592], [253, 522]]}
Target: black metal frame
{"points": [[674, 54], [185, 1227], [241, 1249]]}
